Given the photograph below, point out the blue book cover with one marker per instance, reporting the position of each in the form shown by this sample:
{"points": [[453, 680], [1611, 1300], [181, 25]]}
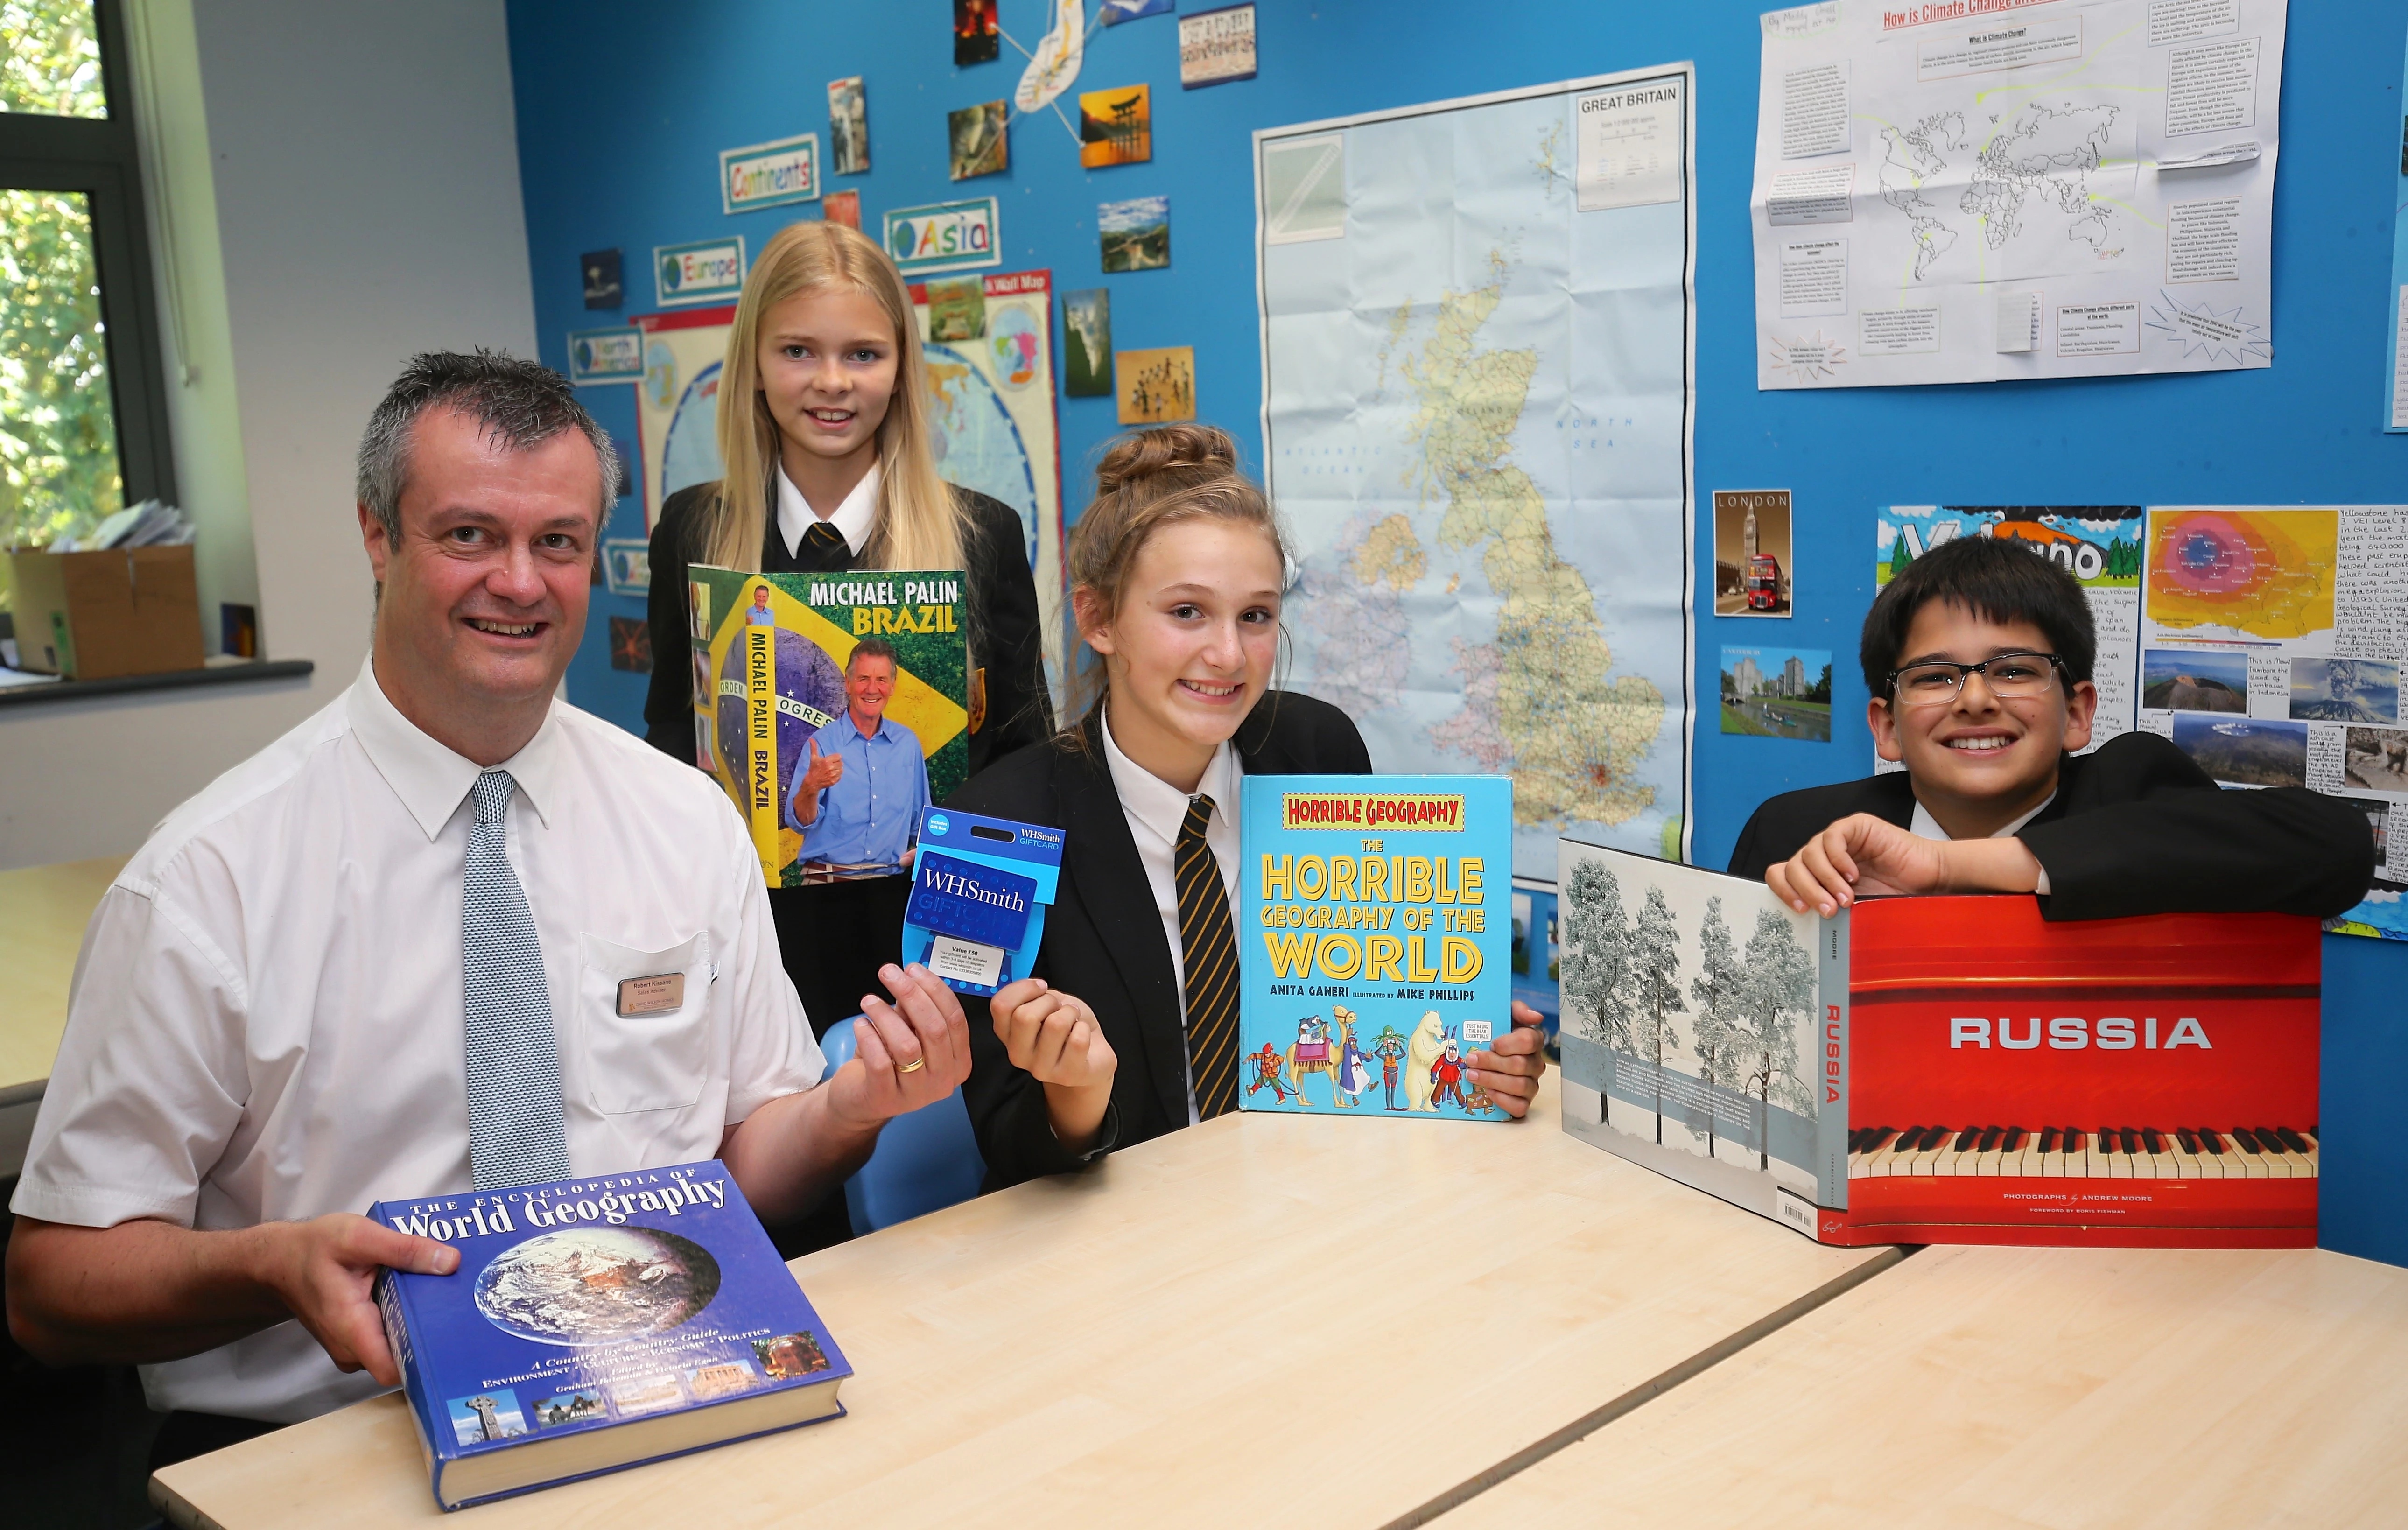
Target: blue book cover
{"points": [[596, 1324], [980, 888], [1375, 929]]}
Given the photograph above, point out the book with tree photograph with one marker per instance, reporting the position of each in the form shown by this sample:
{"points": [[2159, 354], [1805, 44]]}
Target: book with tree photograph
{"points": [[1943, 1069]]}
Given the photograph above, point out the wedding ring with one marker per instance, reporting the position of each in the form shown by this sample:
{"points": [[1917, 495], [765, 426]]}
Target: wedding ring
{"points": [[914, 1066]]}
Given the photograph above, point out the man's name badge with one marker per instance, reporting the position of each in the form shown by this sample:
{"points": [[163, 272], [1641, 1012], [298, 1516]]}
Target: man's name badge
{"points": [[976, 917], [659, 995]]}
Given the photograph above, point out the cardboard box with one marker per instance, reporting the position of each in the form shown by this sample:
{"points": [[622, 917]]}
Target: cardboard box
{"points": [[90, 616], [1945, 1069]]}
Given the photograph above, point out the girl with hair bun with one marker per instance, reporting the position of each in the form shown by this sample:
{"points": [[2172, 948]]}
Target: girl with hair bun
{"points": [[1126, 1027], [824, 434]]}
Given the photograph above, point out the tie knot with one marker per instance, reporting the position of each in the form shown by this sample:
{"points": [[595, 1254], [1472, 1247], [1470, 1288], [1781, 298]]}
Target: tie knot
{"points": [[1200, 813], [493, 789]]}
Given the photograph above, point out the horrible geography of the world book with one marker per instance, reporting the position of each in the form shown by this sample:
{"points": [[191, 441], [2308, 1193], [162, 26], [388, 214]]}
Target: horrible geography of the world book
{"points": [[1375, 938]]}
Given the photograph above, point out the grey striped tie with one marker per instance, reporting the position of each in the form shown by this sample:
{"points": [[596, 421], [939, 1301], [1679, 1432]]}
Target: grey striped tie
{"points": [[518, 1129]]}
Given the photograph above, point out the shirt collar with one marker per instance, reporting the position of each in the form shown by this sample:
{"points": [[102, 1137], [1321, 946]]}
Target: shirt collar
{"points": [[1928, 826], [431, 779], [851, 518], [1160, 806]]}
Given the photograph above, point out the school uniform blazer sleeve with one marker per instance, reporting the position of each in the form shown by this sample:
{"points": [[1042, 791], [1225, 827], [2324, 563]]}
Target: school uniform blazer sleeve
{"points": [[1780, 828], [1002, 591], [668, 699], [2137, 828], [1104, 941]]}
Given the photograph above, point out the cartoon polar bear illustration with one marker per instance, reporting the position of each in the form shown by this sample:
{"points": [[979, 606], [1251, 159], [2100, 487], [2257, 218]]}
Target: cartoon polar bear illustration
{"points": [[1429, 1041]]}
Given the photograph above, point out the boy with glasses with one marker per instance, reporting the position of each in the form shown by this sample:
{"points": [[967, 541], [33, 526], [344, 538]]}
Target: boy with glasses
{"points": [[1979, 658]]}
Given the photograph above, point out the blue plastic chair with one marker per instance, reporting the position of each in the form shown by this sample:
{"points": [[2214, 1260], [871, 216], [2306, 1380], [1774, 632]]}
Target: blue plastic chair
{"points": [[925, 1160]]}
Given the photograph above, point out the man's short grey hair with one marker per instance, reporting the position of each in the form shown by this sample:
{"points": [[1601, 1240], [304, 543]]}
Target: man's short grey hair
{"points": [[517, 404]]}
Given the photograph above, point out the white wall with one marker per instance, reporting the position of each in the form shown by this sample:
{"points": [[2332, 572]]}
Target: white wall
{"points": [[367, 207]]}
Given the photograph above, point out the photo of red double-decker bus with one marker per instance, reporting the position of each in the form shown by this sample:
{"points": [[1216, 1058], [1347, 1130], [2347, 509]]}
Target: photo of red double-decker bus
{"points": [[1765, 590]]}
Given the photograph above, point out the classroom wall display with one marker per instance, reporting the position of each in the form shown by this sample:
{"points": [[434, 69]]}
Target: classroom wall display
{"points": [[991, 399], [979, 140], [2273, 641], [977, 37], [1054, 66], [2395, 417], [631, 644], [1113, 12], [945, 235], [706, 271], [606, 356], [1531, 341], [1216, 46], [1087, 343], [626, 564], [770, 175], [842, 207], [1135, 235], [1157, 387], [677, 404], [1116, 127], [2100, 545], [1944, 197], [849, 127], [1753, 561], [600, 269], [1777, 693]]}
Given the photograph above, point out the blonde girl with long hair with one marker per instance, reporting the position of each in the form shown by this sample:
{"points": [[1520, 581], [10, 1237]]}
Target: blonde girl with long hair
{"points": [[1126, 1027], [825, 437]]}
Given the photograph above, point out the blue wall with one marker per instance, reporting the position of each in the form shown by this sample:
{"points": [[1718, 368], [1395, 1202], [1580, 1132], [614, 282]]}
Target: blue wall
{"points": [[623, 109]]}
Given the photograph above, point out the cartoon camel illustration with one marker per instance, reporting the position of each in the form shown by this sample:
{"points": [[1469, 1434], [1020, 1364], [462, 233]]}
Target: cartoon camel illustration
{"points": [[1323, 1048], [1429, 1041]]}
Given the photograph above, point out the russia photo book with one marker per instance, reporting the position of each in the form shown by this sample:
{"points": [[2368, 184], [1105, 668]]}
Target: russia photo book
{"points": [[1944, 1069], [596, 1324], [1375, 942]]}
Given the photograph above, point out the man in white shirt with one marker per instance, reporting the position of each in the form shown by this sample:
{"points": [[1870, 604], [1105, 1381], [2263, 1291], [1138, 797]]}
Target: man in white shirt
{"points": [[393, 955]]}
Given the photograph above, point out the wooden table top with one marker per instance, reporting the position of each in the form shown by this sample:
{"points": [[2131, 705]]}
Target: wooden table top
{"points": [[1262, 1319], [43, 911], [1979, 1389]]}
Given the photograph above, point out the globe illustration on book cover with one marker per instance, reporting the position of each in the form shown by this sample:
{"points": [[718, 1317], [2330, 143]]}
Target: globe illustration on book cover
{"points": [[810, 691], [597, 1285]]}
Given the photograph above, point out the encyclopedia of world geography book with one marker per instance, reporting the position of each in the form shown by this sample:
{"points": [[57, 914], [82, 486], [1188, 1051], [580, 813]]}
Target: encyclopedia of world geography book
{"points": [[1375, 941], [596, 1324], [772, 669]]}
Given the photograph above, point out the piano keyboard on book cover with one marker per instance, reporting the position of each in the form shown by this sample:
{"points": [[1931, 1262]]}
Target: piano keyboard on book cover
{"points": [[2105, 1153]]}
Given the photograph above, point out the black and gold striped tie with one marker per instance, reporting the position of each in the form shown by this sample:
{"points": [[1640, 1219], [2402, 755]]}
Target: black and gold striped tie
{"points": [[1208, 949]]}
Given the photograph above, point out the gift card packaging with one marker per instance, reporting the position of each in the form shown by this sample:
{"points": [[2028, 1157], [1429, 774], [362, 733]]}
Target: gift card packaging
{"points": [[980, 888]]}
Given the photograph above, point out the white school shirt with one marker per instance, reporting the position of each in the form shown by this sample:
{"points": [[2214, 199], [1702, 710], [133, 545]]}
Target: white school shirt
{"points": [[1155, 809], [1928, 827], [853, 517], [266, 1018]]}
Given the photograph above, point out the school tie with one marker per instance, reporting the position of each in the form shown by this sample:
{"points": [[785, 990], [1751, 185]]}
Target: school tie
{"points": [[822, 546], [518, 1128], [1209, 951]]}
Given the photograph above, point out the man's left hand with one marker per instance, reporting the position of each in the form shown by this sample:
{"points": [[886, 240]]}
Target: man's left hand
{"points": [[908, 1053], [1508, 1071]]}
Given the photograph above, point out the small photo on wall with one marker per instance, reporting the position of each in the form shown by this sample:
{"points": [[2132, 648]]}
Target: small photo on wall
{"points": [[1135, 234], [1087, 343], [601, 271], [631, 644], [1157, 387], [1116, 12], [849, 126], [956, 307], [842, 207], [1752, 554], [2247, 752], [2195, 680], [2344, 691], [1777, 693], [981, 146], [1116, 127], [977, 35]]}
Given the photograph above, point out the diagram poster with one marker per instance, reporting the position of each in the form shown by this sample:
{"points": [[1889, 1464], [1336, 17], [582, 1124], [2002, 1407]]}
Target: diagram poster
{"points": [[676, 403], [2100, 545], [1975, 192], [2271, 645]]}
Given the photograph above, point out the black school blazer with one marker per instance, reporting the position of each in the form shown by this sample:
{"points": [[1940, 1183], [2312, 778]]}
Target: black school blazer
{"points": [[1104, 940], [2136, 828], [997, 588]]}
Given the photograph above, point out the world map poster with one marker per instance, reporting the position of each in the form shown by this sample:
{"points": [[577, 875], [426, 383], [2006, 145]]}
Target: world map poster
{"points": [[1478, 330], [991, 404]]}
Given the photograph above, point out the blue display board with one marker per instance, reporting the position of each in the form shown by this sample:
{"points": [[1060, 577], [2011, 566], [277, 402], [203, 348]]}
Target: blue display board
{"points": [[635, 172]]}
